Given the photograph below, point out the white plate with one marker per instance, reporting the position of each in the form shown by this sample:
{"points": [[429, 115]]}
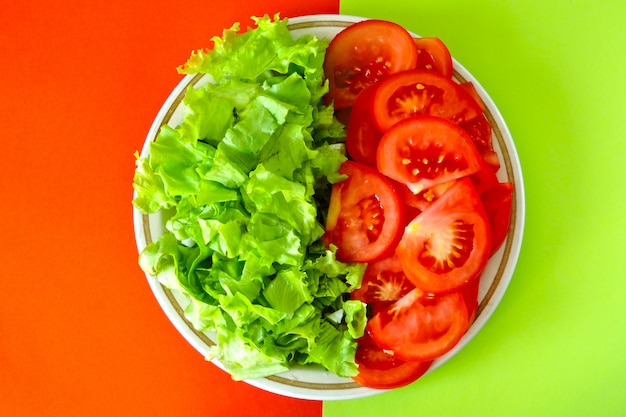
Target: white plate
{"points": [[317, 384]]}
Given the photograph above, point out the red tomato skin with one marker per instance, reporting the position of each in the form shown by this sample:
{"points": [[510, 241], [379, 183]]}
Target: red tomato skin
{"points": [[421, 92], [420, 326], [428, 241], [363, 193], [363, 54], [423, 151], [498, 207], [434, 55], [381, 370], [362, 135], [470, 297]]}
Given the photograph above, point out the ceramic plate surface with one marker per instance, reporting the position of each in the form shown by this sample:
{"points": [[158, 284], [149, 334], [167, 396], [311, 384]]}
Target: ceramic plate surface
{"points": [[317, 384]]}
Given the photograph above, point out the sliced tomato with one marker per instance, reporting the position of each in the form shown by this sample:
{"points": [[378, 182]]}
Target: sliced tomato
{"points": [[362, 135], [423, 151], [480, 130], [365, 215], [420, 92], [433, 54], [448, 244], [382, 370], [343, 115], [420, 326], [363, 54], [471, 89], [383, 281], [497, 202]]}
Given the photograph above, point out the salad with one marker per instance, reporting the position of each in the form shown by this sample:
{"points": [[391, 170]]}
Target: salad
{"points": [[325, 207]]}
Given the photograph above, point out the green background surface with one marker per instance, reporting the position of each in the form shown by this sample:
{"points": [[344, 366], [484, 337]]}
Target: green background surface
{"points": [[556, 345]]}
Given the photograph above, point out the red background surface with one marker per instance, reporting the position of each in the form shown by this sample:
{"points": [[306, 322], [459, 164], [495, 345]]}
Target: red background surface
{"points": [[80, 332]]}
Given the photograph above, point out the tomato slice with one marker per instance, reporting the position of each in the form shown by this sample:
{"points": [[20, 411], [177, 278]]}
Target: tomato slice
{"points": [[497, 202], [419, 92], [423, 151], [448, 244], [471, 89], [382, 370], [362, 135], [420, 326], [343, 115], [363, 54], [383, 281], [470, 297], [480, 130], [365, 215], [433, 54]]}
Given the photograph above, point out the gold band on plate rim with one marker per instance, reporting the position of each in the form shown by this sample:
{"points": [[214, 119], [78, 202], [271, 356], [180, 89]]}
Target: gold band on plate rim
{"points": [[494, 285]]}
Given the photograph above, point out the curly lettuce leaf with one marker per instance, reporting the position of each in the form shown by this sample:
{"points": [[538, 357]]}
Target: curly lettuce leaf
{"points": [[245, 180], [253, 54]]}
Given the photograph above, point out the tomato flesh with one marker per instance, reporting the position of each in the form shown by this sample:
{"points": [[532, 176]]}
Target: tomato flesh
{"points": [[383, 281], [423, 151], [421, 92], [364, 215], [448, 244], [363, 54], [420, 326], [480, 130], [433, 54]]}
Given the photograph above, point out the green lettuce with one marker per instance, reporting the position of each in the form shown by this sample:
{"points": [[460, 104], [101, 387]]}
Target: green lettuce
{"points": [[245, 180]]}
